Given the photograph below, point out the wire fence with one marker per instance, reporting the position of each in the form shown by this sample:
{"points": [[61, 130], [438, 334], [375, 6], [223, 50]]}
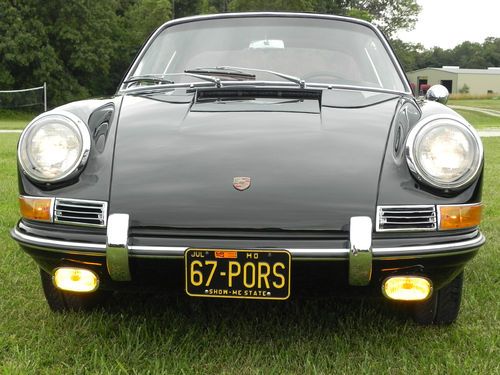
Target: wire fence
{"points": [[24, 98]]}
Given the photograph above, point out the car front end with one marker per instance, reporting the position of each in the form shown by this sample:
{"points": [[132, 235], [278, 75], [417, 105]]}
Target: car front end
{"points": [[254, 182]]}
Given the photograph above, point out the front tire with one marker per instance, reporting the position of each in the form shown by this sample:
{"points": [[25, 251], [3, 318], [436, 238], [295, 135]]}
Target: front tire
{"points": [[61, 301], [443, 306]]}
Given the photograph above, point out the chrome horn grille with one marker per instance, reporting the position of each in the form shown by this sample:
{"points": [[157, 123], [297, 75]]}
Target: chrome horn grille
{"points": [[80, 212], [406, 218]]}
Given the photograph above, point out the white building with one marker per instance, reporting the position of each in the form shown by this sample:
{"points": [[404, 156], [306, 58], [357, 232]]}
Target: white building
{"points": [[478, 81]]}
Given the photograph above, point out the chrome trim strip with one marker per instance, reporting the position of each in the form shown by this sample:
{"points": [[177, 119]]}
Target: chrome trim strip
{"points": [[428, 250], [116, 247], [297, 253], [167, 249], [53, 245], [360, 252], [380, 253], [265, 84]]}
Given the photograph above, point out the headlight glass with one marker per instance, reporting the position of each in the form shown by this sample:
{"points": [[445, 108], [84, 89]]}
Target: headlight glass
{"points": [[53, 147], [444, 153]]}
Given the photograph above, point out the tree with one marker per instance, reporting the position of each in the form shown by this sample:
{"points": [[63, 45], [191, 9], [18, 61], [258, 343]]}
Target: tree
{"points": [[465, 89], [271, 5], [183, 8], [141, 19], [408, 53], [389, 15]]}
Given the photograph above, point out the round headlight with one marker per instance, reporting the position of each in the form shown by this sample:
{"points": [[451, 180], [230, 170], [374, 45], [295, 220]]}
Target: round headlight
{"points": [[54, 147], [444, 152]]}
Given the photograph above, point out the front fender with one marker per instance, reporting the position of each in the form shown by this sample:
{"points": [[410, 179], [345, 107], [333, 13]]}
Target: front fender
{"points": [[101, 117]]}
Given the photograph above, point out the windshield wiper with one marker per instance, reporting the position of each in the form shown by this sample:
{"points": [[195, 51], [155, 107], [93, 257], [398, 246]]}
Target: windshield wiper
{"points": [[160, 78], [235, 70], [148, 78], [222, 71]]}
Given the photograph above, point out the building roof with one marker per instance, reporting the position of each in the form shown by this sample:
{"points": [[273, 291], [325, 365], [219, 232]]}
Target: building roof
{"points": [[462, 71]]}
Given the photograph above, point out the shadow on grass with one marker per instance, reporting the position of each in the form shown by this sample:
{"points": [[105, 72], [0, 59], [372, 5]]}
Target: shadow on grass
{"points": [[248, 318]]}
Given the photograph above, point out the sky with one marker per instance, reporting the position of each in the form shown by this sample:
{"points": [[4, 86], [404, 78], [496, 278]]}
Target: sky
{"points": [[446, 23]]}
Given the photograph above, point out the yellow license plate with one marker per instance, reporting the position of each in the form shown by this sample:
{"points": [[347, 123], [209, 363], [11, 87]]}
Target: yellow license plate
{"points": [[222, 273]]}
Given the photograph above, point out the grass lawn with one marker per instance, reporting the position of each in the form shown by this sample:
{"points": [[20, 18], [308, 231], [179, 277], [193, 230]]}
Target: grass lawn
{"points": [[10, 120], [480, 120], [479, 103], [166, 334], [477, 119]]}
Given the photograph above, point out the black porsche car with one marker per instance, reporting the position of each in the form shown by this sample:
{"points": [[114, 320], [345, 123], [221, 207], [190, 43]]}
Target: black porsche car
{"points": [[255, 155]]}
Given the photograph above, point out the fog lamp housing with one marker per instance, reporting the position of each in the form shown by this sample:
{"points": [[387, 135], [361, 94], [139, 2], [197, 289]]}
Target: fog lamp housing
{"points": [[73, 279], [407, 288]]}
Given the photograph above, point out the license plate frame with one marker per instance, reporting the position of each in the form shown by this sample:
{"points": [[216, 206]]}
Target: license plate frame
{"points": [[238, 273]]}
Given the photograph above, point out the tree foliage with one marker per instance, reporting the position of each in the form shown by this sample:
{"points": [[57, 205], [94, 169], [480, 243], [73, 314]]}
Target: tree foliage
{"points": [[466, 55], [82, 48]]}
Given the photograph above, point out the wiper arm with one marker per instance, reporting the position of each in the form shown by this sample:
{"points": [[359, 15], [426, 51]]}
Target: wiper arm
{"points": [[222, 71], [294, 79], [160, 78], [148, 78], [207, 74]]}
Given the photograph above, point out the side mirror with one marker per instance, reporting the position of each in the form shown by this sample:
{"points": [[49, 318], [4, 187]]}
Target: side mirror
{"points": [[438, 93]]}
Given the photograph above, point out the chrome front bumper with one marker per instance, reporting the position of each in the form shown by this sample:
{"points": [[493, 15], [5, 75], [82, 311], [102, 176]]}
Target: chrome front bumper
{"points": [[359, 250]]}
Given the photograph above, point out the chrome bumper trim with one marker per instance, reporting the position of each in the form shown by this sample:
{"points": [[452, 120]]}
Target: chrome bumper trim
{"points": [[117, 247], [401, 252], [430, 250], [360, 251], [296, 253], [58, 245]]}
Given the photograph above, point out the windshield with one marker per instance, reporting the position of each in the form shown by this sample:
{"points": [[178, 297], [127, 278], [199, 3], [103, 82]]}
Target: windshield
{"points": [[312, 49]]}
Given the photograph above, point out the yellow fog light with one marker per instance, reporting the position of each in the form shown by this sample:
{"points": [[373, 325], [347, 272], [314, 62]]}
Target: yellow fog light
{"points": [[76, 279], [407, 288], [33, 208], [456, 217]]}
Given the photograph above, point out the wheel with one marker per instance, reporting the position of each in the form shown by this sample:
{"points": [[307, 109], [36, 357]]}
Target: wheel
{"points": [[443, 307], [61, 301]]}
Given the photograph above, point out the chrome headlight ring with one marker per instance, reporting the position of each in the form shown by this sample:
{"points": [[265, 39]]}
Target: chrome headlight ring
{"points": [[452, 135], [54, 147]]}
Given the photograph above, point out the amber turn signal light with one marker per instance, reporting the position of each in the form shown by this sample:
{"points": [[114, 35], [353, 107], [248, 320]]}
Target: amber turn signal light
{"points": [[407, 288], [457, 217], [75, 280], [36, 208]]}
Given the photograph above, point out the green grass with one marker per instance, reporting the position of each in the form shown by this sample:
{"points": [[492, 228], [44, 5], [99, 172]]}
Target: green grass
{"points": [[480, 120], [477, 119], [11, 120], [166, 334], [479, 103]]}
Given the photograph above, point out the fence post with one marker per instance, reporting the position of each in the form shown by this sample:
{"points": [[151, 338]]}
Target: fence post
{"points": [[45, 96]]}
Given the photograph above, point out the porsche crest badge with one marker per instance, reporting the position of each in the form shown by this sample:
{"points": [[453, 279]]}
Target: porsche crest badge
{"points": [[241, 183]]}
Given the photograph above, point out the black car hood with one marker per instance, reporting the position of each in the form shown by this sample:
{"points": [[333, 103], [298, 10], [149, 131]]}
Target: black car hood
{"points": [[313, 164]]}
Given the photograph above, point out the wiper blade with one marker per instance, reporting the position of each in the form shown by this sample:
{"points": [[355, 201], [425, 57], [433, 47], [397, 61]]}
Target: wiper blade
{"points": [[222, 71], [207, 74], [148, 78], [288, 77], [160, 78]]}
